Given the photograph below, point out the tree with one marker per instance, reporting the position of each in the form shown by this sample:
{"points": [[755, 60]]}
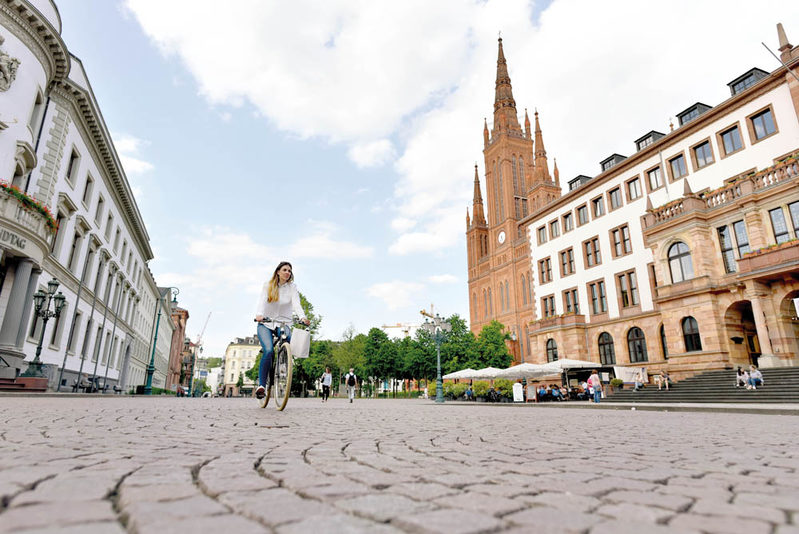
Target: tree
{"points": [[213, 362], [459, 347], [315, 320], [350, 352], [252, 372], [491, 348], [240, 381]]}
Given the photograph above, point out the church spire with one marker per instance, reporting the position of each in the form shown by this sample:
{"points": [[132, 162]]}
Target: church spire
{"points": [[526, 124], [485, 132], [541, 172], [556, 173], [504, 105], [477, 203]]}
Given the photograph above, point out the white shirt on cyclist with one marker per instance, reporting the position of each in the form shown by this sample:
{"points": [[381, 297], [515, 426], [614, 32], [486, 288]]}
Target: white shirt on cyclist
{"points": [[288, 303]]}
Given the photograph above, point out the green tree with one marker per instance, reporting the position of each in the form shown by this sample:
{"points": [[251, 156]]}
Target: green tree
{"points": [[213, 362], [315, 320], [240, 381], [252, 372], [459, 346], [200, 386], [350, 353], [491, 348]]}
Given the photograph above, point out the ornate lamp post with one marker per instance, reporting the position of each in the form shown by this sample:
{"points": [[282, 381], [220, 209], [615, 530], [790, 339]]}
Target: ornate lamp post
{"points": [[437, 327], [148, 385], [41, 304]]}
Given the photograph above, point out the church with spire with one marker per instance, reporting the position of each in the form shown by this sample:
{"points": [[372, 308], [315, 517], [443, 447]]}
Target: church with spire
{"points": [[517, 183]]}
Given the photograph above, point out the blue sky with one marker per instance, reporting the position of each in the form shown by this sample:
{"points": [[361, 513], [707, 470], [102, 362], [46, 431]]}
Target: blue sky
{"points": [[341, 136]]}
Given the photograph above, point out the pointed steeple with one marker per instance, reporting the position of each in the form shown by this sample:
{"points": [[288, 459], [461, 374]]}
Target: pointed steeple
{"points": [[485, 132], [477, 203], [468, 221], [504, 104], [649, 206], [526, 124], [541, 172], [556, 173], [686, 189], [784, 43]]}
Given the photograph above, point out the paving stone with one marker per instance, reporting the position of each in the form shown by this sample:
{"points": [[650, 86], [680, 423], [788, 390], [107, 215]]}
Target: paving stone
{"points": [[142, 514], [762, 513], [634, 512], [480, 502], [659, 500], [446, 521], [383, 507], [217, 523], [166, 492], [720, 524], [344, 524], [624, 526], [545, 518], [274, 506], [55, 514], [101, 527], [565, 501]]}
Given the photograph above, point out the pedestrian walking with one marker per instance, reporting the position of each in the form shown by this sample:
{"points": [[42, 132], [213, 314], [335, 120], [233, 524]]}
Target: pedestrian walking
{"points": [[327, 379], [596, 384], [352, 382]]}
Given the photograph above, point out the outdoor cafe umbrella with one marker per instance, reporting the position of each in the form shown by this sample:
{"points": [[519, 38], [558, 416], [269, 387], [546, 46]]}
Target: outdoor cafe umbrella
{"points": [[463, 373], [523, 370], [487, 372], [562, 365]]}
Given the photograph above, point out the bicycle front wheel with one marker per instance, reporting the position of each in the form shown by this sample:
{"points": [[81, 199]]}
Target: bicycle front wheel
{"points": [[283, 367]]}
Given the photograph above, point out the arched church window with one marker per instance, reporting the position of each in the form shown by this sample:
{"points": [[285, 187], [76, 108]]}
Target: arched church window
{"points": [[636, 345], [607, 352], [690, 333], [680, 262], [552, 350]]}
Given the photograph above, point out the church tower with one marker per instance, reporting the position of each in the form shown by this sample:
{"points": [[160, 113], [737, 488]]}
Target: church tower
{"points": [[517, 183]]}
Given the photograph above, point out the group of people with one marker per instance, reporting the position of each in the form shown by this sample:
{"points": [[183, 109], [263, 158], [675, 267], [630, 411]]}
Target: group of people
{"points": [[662, 380], [350, 381], [749, 379], [552, 392]]}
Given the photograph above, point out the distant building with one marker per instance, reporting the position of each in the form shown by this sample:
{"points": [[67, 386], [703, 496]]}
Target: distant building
{"points": [[239, 358], [400, 330]]}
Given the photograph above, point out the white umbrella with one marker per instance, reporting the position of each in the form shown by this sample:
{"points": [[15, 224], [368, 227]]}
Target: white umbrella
{"points": [[487, 372], [523, 370], [561, 365], [463, 373]]}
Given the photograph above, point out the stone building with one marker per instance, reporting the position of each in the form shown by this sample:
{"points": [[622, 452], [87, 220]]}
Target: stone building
{"points": [[239, 358], [682, 256], [66, 212]]}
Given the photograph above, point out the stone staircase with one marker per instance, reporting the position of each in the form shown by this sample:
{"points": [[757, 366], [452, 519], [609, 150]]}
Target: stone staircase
{"points": [[781, 385], [23, 385]]}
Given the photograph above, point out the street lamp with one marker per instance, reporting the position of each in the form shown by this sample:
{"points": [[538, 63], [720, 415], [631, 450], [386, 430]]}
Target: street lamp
{"points": [[436, 327], [148, 385], [41, 304]]}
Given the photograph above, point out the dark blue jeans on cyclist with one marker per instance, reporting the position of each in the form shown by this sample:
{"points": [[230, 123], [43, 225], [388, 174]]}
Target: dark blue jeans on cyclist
{"points": [[265, 337]]}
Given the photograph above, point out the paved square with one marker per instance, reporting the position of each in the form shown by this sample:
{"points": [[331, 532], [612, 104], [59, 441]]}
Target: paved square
{"points": [[166, 464]]}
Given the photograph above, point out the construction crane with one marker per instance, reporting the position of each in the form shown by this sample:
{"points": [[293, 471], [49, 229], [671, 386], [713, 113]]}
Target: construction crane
{"points": [[197, 348]]}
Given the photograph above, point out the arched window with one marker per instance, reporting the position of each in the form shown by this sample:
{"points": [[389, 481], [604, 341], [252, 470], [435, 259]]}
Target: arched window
{"points": [[475, 314], [501, 298], [490, 303], [529, 287], [521, 172], [496, 194], [515, 176], [636, 345], [552, 350], [663, 344], [680, 262], [607, 353], [690, 333], [524, 291], [507, 294], [485, 304]]}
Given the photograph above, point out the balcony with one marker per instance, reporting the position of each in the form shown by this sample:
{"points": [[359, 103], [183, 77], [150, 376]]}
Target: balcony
{"points": [[771, 258], [26, 225]]}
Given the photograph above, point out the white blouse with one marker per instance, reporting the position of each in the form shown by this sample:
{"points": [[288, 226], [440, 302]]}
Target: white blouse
{"points": [[288, 303]]}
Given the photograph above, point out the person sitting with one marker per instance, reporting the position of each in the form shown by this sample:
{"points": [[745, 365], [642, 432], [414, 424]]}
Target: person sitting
{"points": [[755, 377], [542, 393], [556, 393], [662, 380], [639, 381], [469, 394], [741, 378]]}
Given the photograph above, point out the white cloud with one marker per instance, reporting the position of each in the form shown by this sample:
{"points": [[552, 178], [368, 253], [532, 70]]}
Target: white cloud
{"points": [[442, 279], [395, 294], [402, 224], [322, 243], [372, 154], [128, 148]]}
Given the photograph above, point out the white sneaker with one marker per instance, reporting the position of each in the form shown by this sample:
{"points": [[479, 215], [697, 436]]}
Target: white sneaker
{"points": [[260, 392]]}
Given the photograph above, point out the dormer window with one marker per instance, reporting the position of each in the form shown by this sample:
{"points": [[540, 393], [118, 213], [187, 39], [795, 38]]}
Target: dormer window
{"points": [[746, 80], [643, 142], [691, 113], [606, 164]]}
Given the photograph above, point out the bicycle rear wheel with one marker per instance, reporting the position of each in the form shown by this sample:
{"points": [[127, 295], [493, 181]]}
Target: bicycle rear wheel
{"points": [[283, 367]]}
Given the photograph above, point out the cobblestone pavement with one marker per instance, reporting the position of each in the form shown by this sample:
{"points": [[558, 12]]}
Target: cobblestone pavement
{"points": [[88, 465]]}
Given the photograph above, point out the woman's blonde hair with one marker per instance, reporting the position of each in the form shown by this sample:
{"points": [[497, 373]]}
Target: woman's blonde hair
{"points": [[272, 294]]}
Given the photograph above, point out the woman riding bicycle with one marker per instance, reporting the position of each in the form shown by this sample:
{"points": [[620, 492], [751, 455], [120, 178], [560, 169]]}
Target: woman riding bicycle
{"points": [[279, 299]]}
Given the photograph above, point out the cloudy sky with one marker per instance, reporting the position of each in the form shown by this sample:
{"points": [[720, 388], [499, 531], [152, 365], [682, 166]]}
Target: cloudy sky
{"points": [[342, 135]]}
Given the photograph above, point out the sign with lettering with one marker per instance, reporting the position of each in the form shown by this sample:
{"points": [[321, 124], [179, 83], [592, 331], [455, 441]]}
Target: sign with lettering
{"points": [[10, 238]]}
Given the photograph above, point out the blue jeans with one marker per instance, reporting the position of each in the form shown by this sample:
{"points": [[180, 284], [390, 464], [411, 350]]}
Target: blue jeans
{"points": [[755, 382], [265, 337], [597, 395]]}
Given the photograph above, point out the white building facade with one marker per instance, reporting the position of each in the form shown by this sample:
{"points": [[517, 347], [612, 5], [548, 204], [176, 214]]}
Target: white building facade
{"points": [[55, 148]]}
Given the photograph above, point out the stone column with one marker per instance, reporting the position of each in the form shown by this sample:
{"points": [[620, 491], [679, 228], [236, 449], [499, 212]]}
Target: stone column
{"points": [[767, 357], [11, 355], [26, 311]]}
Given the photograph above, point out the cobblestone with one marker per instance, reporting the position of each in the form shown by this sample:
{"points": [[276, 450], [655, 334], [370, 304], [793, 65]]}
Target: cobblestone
{"points": [[163, 464]]}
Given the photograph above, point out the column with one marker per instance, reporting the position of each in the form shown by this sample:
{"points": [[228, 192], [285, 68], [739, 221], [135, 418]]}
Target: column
{"points": [[16, 304], [26, 311], [760, 324]]}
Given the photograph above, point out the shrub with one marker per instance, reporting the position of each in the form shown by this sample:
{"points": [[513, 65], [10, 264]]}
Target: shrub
{"points": [[480, 388], [616, 382], [504, 387], [458, 390]]}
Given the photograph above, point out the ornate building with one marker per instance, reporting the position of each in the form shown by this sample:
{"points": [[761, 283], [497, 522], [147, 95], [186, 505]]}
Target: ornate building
{"points": [[518, 183], [683, 256]]}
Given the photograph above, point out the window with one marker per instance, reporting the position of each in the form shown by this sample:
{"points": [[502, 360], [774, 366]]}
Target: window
{"points": [[87, 190], [620, 238], [633, 189], [763, 124], [567, 262], [690, 333], [663, 345], [552, 350], [116, 239], [108, 224], [99, 213], [570, 302], [568, 222], [680, 262], [793, 208], [545, 268], [72, 166], [779, 225], [501, 298], [554, 229], [741, 238], [591, 251], [582, 215], [35, 120], [542, 235], [598, 207], [731, 140], [73, 256], [655, 179], [727, 255], [628, 289], [73, 339], [678, 168], [636, 345], [607, 353], [548, 305], [688, 117], [703, 155], [599, 303], [524, 292], [645, 142], [614, 197]]}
